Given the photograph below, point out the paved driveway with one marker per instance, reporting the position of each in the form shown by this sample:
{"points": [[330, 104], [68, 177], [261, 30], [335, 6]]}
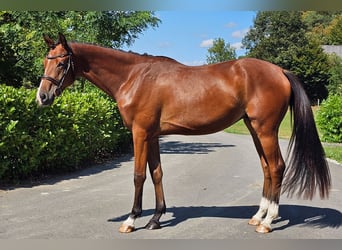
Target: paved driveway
{"points": [[212, 185]]}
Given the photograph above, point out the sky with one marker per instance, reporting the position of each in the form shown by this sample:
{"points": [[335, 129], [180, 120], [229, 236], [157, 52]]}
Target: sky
{"points": [[187, 35]]}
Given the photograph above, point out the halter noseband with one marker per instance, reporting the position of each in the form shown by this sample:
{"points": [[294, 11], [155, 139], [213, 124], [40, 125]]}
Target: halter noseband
{"points": [[70, 64]]}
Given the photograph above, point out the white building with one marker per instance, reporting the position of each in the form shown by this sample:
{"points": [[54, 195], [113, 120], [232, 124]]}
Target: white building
{"points": [[331, 49]]}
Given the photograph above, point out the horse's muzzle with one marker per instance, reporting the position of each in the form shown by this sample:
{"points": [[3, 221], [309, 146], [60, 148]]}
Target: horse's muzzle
{"points": [[44, 98]]}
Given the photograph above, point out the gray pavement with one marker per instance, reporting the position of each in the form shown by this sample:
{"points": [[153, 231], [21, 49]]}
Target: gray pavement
{"points": [[212, 186]]}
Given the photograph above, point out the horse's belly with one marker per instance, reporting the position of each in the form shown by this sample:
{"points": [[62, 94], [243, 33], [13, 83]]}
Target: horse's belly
{"points": [[197, 123]]}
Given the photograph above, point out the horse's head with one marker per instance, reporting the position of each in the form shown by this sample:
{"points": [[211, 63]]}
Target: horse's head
{"points": [[58, 70]]}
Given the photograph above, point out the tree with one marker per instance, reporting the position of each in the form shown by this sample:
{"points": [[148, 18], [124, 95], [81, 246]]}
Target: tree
{"points": [[22, 47], [335, 36], [324, 26], [220, 52], [280, 37], [275, 36]]}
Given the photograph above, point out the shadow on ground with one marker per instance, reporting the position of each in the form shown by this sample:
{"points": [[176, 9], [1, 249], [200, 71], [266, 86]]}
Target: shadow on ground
{"points": [[179, 147], [166, 147], [51, 179], [294, 214]]}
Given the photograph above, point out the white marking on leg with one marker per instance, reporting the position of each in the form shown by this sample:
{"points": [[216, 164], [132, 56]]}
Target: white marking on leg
{"points": [[129, 221], [272, 213], [264, 204]]}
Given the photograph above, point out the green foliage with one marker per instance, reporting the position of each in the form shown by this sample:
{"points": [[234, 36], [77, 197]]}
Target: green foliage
{"points": [[220, 52], [335, 36], [23, 48], [274, 36], [329, 119], [311, 65], [324, 26], [280, 37], [334, 152], [79, 127], [335, 79]]}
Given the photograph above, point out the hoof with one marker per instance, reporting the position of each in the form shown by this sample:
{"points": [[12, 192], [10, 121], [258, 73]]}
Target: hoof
{"points": [[126, 229], [263, 229], [153, 225], [254, 222]]}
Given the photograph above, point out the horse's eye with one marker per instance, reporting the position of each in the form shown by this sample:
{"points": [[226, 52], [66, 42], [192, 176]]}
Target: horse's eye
{"points": [[61, 65]]}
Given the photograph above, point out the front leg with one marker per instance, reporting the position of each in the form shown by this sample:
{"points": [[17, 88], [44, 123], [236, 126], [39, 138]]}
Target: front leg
{"points": [[156, 174], [140, 160]]}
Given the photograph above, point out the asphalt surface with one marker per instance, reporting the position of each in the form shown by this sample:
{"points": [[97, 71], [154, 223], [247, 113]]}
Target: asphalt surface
{"points": [[212, 187]]}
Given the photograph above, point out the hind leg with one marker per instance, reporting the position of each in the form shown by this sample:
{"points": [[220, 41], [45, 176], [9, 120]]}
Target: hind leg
{"points": [[266, 142], [264, 203], [274, 166]]}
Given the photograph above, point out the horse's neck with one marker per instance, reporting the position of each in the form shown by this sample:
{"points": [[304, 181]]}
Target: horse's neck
{"points": [[106, 68]]}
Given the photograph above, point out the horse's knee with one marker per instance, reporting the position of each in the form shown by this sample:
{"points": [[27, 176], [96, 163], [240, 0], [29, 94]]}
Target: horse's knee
{"points": [[139, 179]]}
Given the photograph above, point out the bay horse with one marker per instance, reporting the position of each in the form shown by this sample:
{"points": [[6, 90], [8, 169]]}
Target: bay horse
{"points": [[159, 96]]}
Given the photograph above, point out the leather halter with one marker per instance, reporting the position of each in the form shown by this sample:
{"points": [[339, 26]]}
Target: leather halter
{"points": [[66, 67]]}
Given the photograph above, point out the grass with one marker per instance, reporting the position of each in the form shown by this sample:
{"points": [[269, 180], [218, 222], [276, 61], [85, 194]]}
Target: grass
{"points": [[333, 151]]}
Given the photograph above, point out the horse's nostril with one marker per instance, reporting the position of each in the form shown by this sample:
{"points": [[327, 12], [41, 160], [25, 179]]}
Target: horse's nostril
{"points": [[43, 97]]}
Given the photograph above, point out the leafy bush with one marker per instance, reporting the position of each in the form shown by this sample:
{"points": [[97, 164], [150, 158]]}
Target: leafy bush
{"points": [[78, 127], [329, 119]]}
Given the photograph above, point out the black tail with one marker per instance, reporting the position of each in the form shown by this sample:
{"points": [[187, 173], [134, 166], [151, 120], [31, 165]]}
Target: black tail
{"points": [[307, 167]]}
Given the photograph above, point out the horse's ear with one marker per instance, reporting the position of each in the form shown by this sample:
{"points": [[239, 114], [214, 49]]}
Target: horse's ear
{"points": [[62, 40], [50, 43]]}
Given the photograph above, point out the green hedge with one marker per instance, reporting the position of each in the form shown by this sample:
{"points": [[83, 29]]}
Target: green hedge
{"points": [[329, 119], [78, 127]]}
